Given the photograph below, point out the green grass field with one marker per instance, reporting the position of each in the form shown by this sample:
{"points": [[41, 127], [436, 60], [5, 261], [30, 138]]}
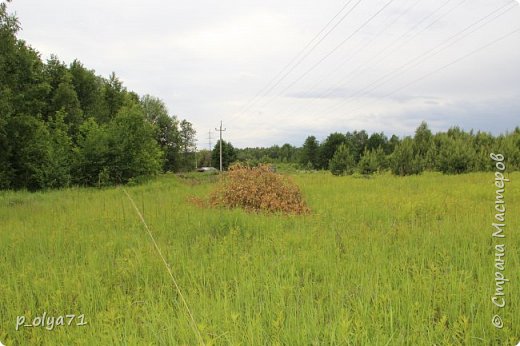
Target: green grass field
{"points": [[380, 261]]}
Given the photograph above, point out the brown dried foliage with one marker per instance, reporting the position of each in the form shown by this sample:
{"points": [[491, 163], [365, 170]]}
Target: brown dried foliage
{"points": [[258, 189]]}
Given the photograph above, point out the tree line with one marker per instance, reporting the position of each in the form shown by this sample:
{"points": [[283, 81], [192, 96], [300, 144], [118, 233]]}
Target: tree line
{"points": [[64, 125], [452, 152]]}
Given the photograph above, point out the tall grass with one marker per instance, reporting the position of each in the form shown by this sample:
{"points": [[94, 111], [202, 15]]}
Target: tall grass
{"points": [[387, 260]]}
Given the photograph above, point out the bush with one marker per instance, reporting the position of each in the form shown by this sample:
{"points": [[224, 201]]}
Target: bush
{"points": [[258, 189]]}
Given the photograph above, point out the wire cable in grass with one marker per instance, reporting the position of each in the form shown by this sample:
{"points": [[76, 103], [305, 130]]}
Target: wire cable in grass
{"points": [[192, 320]]}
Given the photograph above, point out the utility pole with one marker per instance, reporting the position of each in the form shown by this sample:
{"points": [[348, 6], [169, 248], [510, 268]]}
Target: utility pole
{"points": [[220, 130]]}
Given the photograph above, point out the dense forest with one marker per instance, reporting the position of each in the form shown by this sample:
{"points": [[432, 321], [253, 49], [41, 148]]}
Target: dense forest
{"points": [[64, 125], [451, 152]]}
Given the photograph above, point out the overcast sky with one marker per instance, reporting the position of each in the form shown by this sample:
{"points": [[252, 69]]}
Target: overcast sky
{"points": [[380, 65]]}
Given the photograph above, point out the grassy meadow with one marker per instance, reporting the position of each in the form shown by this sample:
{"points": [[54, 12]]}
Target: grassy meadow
{"points": [[380, 261]]}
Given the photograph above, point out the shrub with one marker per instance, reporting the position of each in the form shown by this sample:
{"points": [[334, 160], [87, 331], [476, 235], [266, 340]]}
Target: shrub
{"points": [[258, 189]]}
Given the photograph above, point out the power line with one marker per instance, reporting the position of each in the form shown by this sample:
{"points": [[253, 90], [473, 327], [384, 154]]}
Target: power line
{"points": [[413, 4], [370, 62], [364, 66], [421, 57], [473, 52], [298, 59], [425, 56], [313, 67]]}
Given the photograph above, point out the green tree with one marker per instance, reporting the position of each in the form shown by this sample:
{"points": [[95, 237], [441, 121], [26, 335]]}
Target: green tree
{"points": [[422, 139], [60, 153], [309, 155], [30, 148], [89, 91], [114, 97], [287, 153], [204, 158], [6, 172], [456, 155], [229, 155], [509, 146], [133, 149], [23, 87], [328, 147], [393, 142], [483, 144], [357, 142], [372, 161], [188, 144], [91, 154], [62, 96], [166, 131], [62, 123], [404, 161], [377, 140], [66, 101], [342, 161], [423, 145]]}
